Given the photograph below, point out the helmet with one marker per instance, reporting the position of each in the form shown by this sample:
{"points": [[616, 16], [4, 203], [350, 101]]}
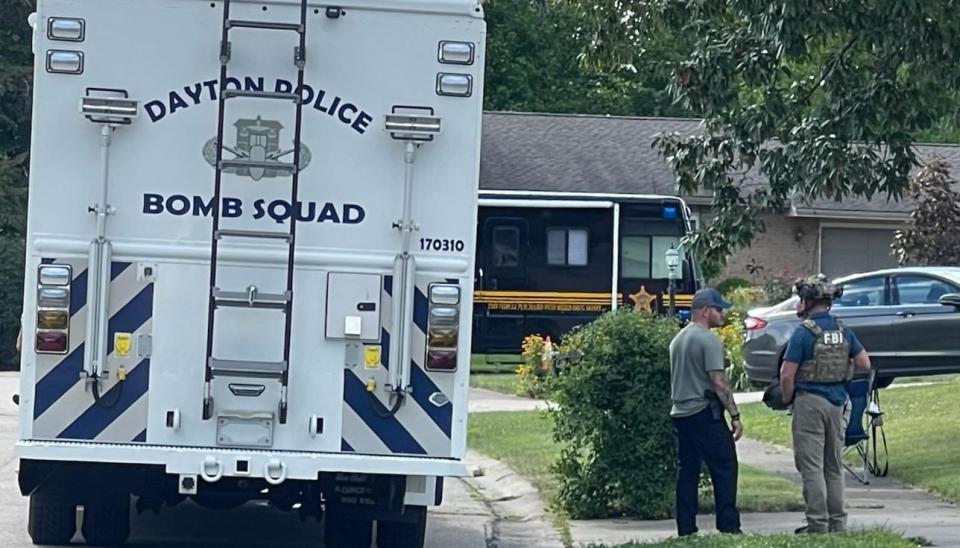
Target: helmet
{"points": [[817, 288]]}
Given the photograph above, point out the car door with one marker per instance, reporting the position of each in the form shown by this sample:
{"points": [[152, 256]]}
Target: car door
{"points": [[865, 307], [925, 330]]}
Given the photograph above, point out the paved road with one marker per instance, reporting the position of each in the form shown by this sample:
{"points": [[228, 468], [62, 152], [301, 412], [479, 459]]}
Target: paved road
{"points": [[461, 522]]}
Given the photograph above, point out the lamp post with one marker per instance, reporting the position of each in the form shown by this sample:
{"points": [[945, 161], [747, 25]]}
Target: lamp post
{"points": [[673, 274]]}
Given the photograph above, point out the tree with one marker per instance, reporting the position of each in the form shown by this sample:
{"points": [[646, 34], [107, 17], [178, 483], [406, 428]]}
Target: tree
{"points": [[933, 237], [16, 62], [534, 65], [820, 98]]}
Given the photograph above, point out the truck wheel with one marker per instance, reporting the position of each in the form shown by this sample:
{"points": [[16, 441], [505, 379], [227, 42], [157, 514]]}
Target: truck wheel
{"points": [[51, 521], [107, 522], [347, 533], [404, 534]]}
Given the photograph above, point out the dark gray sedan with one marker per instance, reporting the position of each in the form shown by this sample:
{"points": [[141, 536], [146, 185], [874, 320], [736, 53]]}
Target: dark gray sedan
{"points": [[908, 319]]}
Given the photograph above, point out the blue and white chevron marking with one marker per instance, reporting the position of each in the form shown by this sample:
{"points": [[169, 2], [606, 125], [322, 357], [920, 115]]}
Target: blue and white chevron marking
{"points": [[419, 427], [63, 408]]}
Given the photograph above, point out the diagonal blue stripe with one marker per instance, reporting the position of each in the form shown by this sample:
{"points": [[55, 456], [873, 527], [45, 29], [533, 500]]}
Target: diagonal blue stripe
{"points": [[385, 349], [117, 268], [420, 310], [423, 388], [98, 417], [344, 446], [134, 314], [389, 430], [78, 292], [47, 261], [388, 285], [57, 381], [141, 437], [64, 375]]}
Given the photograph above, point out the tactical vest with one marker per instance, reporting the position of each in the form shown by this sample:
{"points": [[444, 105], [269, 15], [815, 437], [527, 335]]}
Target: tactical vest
{"points": [[831, 356]]}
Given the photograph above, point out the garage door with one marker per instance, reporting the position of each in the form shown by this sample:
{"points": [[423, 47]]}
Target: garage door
{"points": [[853, 250]]}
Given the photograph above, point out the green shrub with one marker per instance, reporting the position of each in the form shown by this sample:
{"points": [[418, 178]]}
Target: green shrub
{"points": [[613, 419], [780, 286], [728, 285], [535, 372]]}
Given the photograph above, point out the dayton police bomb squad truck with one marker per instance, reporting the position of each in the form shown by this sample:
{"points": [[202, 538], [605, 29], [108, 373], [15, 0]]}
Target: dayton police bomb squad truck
{"points": [[233, 287]]}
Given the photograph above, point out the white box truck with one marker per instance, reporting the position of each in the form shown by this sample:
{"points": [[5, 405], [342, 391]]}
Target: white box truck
{"points": [[250, 257]]}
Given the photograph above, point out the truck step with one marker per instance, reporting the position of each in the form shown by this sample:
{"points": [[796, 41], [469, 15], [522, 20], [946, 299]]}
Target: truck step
{"points": [[254, 94], [255, 234], [263, 25], [247, 369], [247, 299], [258, 164]]}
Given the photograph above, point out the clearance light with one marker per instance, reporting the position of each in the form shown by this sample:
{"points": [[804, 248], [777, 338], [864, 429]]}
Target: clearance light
{"points": [[64, 62], [66, 29], [454, 85], [54, 275], [456, 53], [443, 329]]}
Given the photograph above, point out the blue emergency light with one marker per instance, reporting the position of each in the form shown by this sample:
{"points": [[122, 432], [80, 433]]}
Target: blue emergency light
{"points": [[669, 212]]}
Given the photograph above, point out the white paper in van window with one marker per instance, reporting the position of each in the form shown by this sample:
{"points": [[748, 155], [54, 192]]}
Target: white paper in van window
{"points": [[577, 247]]}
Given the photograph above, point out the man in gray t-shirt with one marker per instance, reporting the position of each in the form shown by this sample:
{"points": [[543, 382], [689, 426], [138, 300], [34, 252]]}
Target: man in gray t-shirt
{"points": [[700, 393]]}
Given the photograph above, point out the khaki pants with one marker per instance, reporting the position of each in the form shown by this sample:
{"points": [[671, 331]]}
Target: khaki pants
{"points": [[818, 439]]}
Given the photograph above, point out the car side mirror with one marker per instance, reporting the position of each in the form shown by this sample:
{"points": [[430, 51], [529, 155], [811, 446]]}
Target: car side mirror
{"points": [[951, 299]]}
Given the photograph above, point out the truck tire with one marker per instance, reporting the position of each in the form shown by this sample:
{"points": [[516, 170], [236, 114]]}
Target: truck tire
{"points": [[107, 522], [51, 521], [404, 534], [347, 533]]}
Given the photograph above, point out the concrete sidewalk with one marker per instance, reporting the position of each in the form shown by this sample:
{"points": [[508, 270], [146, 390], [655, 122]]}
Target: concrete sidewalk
{"points": [[883, 503]]}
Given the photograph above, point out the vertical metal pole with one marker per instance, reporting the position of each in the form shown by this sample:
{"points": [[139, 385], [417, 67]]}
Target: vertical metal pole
{"points": [[672, 311], [615, 283]]}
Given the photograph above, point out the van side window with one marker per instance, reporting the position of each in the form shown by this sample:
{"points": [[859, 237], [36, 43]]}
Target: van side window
{"points": [[567, 247]]}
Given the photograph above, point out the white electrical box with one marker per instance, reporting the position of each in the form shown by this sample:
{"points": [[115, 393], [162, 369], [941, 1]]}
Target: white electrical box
{"points": [[353, 306]]}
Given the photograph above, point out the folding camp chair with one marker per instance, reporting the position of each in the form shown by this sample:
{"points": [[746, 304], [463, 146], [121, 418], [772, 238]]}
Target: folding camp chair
{"points": [[864, 433]]}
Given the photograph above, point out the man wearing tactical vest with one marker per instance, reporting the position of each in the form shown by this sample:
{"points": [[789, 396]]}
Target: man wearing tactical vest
{"points": [[819, 361]]}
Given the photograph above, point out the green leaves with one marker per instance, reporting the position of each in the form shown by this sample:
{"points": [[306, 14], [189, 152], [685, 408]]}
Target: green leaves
{"points": [[802, 99], [933, 237], [613, 419]]}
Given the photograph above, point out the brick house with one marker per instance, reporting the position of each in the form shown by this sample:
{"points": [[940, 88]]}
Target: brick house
{"points": [[604, 154]]}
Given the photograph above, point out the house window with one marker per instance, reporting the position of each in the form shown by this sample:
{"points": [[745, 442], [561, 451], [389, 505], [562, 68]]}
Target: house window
{"points": [[506, 246], [645, 257], [567, 247]]}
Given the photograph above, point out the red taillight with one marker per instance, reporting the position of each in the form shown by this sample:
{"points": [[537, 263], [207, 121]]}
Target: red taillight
{"points": [[52, 341], [442, 360], [752, 324]]}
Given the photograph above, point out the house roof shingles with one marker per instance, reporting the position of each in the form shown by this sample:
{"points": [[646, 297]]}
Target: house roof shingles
{"points": [[606, 154]]}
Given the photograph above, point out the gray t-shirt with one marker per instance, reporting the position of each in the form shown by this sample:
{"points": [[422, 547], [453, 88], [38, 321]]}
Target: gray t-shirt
{"points": [[693, 353]]}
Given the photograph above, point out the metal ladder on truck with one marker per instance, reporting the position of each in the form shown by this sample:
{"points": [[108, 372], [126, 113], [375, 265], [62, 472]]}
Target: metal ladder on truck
{"points": [[251, 297]]}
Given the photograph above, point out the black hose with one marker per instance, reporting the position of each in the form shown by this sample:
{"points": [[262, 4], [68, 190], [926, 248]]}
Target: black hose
{"points": [[396, 397], [100, 400]]}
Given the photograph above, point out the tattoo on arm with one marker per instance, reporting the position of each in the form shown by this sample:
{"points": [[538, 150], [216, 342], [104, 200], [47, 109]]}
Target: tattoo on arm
{"points": [[722, 388]]}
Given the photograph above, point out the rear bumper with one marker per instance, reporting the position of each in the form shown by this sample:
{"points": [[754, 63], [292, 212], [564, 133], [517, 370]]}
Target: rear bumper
{"points": [[213, 462]]}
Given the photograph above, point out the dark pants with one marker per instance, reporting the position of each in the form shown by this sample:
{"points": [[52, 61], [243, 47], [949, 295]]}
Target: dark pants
{"points": [[703, 438]]}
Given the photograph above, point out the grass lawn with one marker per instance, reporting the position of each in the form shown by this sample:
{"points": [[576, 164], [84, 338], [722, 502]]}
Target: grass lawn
{"points": [[523, 440], [871, 539], [494, 363], [921, 424], [505, 383]]}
